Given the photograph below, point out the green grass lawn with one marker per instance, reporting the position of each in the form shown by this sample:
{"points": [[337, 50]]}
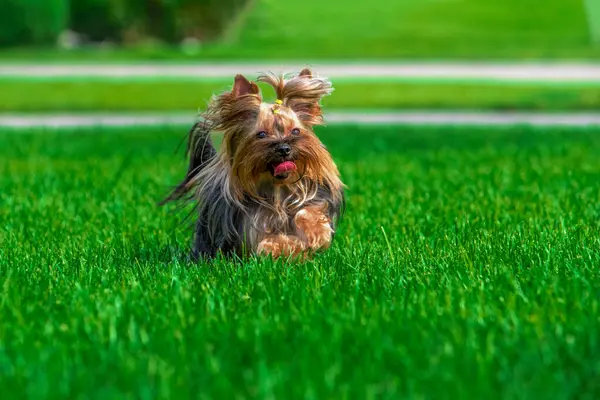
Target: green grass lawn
{"points": [[76, 95], [414, 28], [390, 29], [466, 267]]}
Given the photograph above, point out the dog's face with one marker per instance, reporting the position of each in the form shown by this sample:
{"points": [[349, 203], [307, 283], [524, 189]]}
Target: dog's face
{"points": [[274, 143], [278, 148]]}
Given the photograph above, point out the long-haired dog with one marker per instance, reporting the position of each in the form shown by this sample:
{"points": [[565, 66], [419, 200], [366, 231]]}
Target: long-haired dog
{"points": [[272, 188]]}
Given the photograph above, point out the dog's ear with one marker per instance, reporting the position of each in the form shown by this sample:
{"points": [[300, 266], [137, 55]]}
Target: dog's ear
{"points": [[243, 86], [303, 95], [306, 73]]}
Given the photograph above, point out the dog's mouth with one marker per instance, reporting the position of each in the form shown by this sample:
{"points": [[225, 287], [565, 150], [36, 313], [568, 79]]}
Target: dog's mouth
{"points": [[282, 170]]}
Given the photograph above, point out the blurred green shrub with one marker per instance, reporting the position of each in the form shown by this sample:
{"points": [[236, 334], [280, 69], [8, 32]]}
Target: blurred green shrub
{"points": [[37, 22], [166, 20], [40, 22], [96, 19]]}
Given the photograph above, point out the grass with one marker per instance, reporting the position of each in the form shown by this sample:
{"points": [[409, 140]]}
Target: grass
{"points": [[80, 95], [415, 29], [466, 266], [418, 29]]}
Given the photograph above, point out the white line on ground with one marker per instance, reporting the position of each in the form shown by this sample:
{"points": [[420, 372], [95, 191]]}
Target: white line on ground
{"points": [[515, 72], [332, 118]]}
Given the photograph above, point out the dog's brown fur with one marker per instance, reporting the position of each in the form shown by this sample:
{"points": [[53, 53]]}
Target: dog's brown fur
{"points": [[242, 205]]}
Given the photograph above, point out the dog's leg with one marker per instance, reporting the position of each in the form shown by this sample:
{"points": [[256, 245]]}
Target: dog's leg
{"points": [[281, 245], [314, 226]]}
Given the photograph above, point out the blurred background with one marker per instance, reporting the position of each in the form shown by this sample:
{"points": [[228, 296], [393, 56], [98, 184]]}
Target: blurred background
{"points": [[387, 29], [314, 32]]}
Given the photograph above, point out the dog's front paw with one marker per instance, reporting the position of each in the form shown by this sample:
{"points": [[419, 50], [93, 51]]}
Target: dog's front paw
{"points": [[280, 245], [314, 227]]}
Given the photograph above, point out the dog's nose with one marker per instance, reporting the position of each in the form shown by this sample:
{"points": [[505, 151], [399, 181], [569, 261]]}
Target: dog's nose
{"points": [[284, 149]]}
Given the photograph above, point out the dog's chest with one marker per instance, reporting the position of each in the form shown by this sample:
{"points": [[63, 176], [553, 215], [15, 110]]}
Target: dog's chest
{"points": [[267, 220], [275, 213], [272, 217]]}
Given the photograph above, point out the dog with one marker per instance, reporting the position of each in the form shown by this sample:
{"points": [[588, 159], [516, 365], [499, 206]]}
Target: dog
{"points": [[273, 187]]}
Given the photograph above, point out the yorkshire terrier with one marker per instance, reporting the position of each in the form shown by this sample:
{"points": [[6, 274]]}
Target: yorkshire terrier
{"points": [[272, 188]]}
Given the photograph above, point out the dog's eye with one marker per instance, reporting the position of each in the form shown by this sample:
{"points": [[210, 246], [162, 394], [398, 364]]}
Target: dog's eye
{"points": [[295, 131], [261, 135]]}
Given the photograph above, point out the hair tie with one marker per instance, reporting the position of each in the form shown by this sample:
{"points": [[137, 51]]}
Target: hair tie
{"points": [[276, 106]]}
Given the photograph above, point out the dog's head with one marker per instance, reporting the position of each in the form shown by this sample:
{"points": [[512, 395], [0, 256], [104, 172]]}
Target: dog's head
{"points": [[273, 143]]}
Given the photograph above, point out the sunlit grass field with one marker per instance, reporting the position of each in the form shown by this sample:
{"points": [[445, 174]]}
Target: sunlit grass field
{"points": [[166, 95], [430, 29], [466, 266]]}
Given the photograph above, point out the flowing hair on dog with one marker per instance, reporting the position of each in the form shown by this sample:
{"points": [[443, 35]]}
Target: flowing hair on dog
{"points": [[272, 188]]}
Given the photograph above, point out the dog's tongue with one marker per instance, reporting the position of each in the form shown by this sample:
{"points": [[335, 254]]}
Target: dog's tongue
{"points": [[284, 167]]}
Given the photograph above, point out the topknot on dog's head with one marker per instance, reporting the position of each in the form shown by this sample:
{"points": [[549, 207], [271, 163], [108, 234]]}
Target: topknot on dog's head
{"points": [[301, 93]]}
